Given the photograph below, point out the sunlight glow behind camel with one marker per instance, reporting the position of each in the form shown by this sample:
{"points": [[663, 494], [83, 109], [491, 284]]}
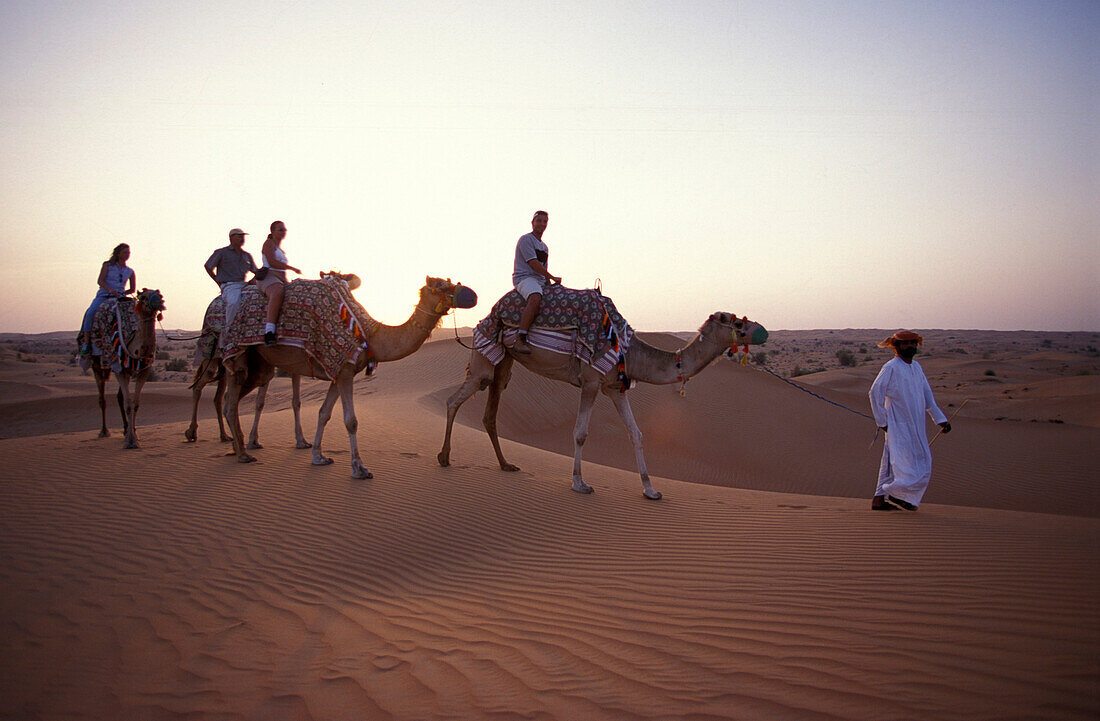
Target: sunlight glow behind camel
{"points": [[810, 165]]}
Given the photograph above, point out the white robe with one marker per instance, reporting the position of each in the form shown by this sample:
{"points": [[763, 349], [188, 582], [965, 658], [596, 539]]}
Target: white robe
{"points": [[900, 396]]}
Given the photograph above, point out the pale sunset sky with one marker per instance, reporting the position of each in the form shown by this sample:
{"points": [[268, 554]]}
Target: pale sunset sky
{"points": [[808, 164]]}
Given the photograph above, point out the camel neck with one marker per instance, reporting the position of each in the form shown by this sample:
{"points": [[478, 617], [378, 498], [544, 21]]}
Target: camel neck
{"points": [[653, 365], [393, 342]]}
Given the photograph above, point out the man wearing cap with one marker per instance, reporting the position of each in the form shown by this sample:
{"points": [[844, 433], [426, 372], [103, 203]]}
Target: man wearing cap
{"points": [[900, 396], [227, 267], [530, 276]]}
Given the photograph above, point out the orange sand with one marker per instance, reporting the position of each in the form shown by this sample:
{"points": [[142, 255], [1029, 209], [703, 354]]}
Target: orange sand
{"points": [[172, 582]]}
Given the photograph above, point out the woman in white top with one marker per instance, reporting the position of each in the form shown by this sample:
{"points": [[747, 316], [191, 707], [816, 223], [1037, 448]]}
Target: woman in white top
{"points": [[274, 282], [114, 277]]}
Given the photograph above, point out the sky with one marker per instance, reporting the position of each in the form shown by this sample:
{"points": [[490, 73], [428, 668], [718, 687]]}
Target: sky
{"points": [[808, 164]]}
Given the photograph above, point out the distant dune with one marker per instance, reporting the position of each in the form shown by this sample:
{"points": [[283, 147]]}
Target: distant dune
{"points": [[171, 581]]}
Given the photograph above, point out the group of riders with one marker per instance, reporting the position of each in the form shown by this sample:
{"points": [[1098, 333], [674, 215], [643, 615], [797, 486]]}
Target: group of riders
{"points": [[900, 395], [229, 267]]}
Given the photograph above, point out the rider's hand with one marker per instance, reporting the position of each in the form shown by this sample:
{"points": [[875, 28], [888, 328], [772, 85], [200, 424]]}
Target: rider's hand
{"points": [[946, 427], [555, 280]]}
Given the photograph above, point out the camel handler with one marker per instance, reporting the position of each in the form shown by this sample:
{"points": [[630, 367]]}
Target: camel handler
{"points": [[900, 396], [227, 267], [530, 276]]}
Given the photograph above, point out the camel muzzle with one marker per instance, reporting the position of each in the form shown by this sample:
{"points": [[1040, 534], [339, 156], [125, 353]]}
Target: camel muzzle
{"points": [[465, 297], [752, 334]]}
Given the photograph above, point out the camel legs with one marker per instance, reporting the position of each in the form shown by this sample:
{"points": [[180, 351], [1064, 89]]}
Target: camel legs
{"points": [[219, 398], [622, 405], [492, 405], [196, 394], [191, 434], [101, 382], [131, 401], [238, 385], [254, 435], [341, 387], [296, 403], [479, 374], [580, 433], [323, 415]]}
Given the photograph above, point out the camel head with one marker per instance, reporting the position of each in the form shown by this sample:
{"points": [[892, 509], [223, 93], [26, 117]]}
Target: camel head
{"points": [[729, 330], [442, 295], [351, 279], [149, 303]]}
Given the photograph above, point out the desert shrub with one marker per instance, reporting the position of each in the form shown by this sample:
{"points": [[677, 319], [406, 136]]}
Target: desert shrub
{"points": [[176, 364], [163, 355], [863, 349], [800, 371], [845, 357], [990, 372], [961, 351], [760, 358]]}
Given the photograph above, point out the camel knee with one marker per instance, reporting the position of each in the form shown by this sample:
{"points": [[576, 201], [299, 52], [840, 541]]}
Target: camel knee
{"points": [[580, 438], [352, 425]]}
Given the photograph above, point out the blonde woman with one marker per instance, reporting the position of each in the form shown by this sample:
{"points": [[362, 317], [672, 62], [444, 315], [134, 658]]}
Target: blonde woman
{"points": [[272, 278]]}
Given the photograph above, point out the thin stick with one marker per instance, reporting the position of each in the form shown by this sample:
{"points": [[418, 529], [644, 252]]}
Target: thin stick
{"points": [[949, 420]]}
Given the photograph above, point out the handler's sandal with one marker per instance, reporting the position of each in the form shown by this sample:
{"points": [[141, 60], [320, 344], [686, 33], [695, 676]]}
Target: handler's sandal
{"points": [[521, 346], [878, 503], [903, 504], [270, 338]]}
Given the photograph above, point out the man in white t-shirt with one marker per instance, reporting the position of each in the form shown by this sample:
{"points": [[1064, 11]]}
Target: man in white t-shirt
{"points": [[530, 276]]}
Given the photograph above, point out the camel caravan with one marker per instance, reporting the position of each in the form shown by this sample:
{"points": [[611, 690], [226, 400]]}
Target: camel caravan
{"points": [[316, 329]]}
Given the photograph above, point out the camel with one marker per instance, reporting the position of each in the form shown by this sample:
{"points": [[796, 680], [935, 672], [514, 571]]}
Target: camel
{"points": [[128, 357], [720, 333], [255, 366], [210, 370]]}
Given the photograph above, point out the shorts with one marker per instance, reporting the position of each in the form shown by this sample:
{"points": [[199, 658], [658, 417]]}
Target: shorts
{"points": [[527, 286], [272, 278]]}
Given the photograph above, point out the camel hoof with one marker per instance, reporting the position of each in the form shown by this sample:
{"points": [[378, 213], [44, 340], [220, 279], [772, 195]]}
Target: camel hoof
{"points": [[508, 467], [444, 460], [226, 439], [583, 488], [104, 434], [253, 446], [362, 474], [655, 497], [303, 444], [245, 458], [129, 446], [189, 436], [321, 461]]}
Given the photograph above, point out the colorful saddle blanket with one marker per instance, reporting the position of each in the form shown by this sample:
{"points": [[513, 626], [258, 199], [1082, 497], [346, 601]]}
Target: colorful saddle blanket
{"points": [[581, 322], [212, 325], [318, 316], [107, 340]]}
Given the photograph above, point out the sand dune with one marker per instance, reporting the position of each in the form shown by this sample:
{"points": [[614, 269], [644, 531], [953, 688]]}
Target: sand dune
{"points": [[173, 582]]}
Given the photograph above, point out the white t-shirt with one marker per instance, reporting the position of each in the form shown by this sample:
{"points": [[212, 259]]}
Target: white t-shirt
{"points": [[528, 248]]}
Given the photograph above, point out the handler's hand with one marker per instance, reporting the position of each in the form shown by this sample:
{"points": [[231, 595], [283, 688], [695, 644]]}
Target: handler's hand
{"points": [[882, 428], [946, 427]]}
